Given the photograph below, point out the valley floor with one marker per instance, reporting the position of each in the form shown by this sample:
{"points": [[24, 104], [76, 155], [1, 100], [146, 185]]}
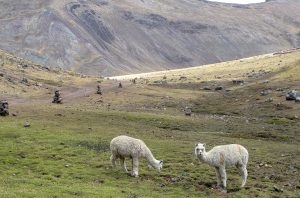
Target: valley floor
{"points": [[65, 151]]}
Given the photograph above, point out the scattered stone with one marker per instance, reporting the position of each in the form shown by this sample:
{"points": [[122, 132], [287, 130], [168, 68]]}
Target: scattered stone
{"points": [[238, 82], [279, 89], [219, 88], [206, 88], [265, 92], [291, 167], [188, 111], [292, 95], [287, 185], [174, 179], [24, 81], [120, 85], [27, 124], [297, 99], [277, 189], [4, 108], [57, 98], [99, 91], [162, 184], [182, 78], [269, 100], [266, 81], [1, 75], [14, 114]]}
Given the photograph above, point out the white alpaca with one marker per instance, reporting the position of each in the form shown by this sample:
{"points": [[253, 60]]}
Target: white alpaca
{"points": [[124, 146], [224, 156]]}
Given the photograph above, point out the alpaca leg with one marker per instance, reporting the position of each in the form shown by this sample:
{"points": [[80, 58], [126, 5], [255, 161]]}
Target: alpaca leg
{"points": [[223, 177], [218, 176], [135, 167], [244, 173], [113, 160], [123, 164]]}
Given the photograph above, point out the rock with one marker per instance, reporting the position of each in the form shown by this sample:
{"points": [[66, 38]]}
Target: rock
{"points": [[1, 74], [24, 81], [14, 114], [219, 88], [188, 111], [174, 179], [265, 92], [206, 88], [162, 184], [297, 99], [266, 81], [287, 185], [4, 108], [291, 167], [182, 78], [292, 95], [277, 189], [269, 100], [238, 82], [27, 124], [268, 166]]}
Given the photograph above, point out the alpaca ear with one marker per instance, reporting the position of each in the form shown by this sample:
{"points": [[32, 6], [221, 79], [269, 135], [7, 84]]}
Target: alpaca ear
{"points": [[196, 144], [204, 144], [161, 162]]}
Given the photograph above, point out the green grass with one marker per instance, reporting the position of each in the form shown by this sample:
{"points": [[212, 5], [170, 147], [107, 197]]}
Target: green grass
{"points": [[68, 156]]}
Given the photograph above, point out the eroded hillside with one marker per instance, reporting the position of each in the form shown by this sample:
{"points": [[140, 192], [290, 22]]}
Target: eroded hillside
{"points": [[111, 37]]}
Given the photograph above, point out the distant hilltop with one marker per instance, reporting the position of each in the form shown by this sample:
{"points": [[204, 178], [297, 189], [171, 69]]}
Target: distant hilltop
{"points": [[109, 38]]}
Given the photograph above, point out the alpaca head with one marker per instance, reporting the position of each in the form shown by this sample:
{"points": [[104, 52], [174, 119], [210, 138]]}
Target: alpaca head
{"points": [[158, 166], [199, 149]]}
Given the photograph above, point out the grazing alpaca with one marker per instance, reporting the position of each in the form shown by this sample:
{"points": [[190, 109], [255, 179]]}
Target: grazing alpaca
{"points": [[224, 156], [124, 146]]}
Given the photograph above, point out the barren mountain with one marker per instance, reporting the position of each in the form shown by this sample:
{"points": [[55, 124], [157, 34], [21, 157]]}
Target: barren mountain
{"points": [[111, 37]]}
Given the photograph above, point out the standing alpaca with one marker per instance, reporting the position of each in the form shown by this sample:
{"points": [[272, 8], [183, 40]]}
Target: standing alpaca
{"points": [[224, 156], [124, 146]]}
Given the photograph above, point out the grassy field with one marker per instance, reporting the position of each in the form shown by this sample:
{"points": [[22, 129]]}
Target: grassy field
{"points": [[65, 151]]}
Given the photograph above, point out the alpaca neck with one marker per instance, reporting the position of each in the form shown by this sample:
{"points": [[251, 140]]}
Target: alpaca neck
{"points": [[205, 157], [150, 158]]}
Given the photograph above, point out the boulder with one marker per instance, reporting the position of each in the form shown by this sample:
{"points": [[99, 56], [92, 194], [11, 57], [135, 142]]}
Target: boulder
{"points": [[4, 108], [292, 95]]}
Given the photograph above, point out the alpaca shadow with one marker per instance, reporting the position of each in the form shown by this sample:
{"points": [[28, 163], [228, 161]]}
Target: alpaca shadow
{"points": [[208, 184], [232, 190]]}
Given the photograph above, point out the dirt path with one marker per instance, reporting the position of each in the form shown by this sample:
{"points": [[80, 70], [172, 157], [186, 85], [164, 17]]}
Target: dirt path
{"points": [[68, 93]]}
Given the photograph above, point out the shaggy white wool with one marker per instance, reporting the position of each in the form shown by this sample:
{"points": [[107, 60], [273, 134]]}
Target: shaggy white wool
{"points": [[224, 156], [124, 146]]}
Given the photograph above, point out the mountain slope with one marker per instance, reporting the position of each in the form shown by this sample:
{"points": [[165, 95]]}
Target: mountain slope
{"points": [[130, 36]]}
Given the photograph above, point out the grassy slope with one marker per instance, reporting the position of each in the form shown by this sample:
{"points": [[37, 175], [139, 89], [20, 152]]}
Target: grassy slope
{"points": [[65, 152]]}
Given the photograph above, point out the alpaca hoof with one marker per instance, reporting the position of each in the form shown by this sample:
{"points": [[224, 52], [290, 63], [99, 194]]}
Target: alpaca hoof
{"points": [[134, 174]]}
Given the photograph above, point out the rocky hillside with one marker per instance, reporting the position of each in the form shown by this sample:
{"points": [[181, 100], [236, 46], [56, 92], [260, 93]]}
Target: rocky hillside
{"points": [[110, 37]]}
